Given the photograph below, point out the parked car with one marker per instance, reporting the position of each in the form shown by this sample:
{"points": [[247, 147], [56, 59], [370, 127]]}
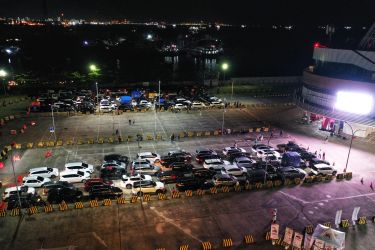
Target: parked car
{"points": [[169, 176], [64, 194], [82, 166], [217, 104], [166, 161], [245, 162], [214, 164], [96, 181], [148, 187], [234, 170], [74, 176], [125, 107], [229, 150], [27, 200], [149, 156], [116, 157], [191, 183], [255, 148], [56, 185], [264, 153], [200, 158], [220, 180], [108, 174], [14, 190], [104, 192], [181, 167], [179, 106], [113, 164], [146, 169], [203, 150], [203, 173], [128, 181], [34, 181], [197, 105], [324, 169], [44, 172], [290, 173]]}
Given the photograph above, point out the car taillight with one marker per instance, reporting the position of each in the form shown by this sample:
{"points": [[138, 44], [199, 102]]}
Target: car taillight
{"points": [[173, 176]]}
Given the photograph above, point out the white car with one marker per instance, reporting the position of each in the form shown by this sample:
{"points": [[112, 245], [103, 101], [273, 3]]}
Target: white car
{"points": [[82, 166], [148, 187], [34, 181], [183, 100], [234, 170], [145, 103], [74, 176], [105, 106], [128, 181], [324, 169], [197, 105], [233, 149], [179, 106], [217, 104], [214, 164], [44, 172], [13, 191], [115, 164], [152, 157], [256, 148], [263, 153]]}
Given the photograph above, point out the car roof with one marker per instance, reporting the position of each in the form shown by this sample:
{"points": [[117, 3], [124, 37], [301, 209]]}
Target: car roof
{"points": [[322, 165], [69, 164], [144, 153], [32, 177], [213, 160], [38, 169]]}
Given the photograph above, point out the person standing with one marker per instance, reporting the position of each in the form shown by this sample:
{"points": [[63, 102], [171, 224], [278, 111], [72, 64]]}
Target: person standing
{"points": [[324, 156], [130, 122], [326, 140]]}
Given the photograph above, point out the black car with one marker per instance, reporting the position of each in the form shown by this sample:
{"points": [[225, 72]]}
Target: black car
{"points": [[290, 173], [245, 162], [257, 175], [64, 194], [169, 176], [181, 167], [125, 107], [57, 185], [232, 157], [166, 161], [27, 200], [184, 184], [203, 173], [117, 158], [112, 173], [305, 155], [180, 154], [315, 161], [104, 192]]}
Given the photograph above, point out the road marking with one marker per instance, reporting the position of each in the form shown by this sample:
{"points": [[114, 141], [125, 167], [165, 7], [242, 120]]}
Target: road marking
{"points": [[101, 241]]}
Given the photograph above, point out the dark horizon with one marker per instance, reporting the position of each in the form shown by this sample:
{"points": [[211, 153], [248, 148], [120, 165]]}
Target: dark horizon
{"points": [[237, 12]]}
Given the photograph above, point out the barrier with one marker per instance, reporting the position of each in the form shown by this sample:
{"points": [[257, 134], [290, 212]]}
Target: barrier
{"points": [[130, 138], [63, 206], [258, 185], [216, 132], [309, 229], [107, 202], [80, 141], [339, 177], [94, 203], [297, 181], [348, 175], [362, 220], [90, 141], [149, 137], [120, 139], [228, 242], [207, 133], [159, 137], [3, 213], [110, 140], [267, 236], [258, 130], [287, 182], [345, 223], [318, 178], [100, 140], [206, 245], [237, 188], [18, 146], [269, 184], [33, 210], [69, 142], [213, 190], [160, 248], [190, 134], [121, 200], [200, 192], [184, 247], [50, 144], [327, 224], [251, 130], [78, 205], [40, 144], [249, 239], [48, 208], [199, 134], [225, 189], [147, 197], [162, 196], [176, 195], [30, 145], [182, 134], [15, 212], [329, 177], [133, 199], [248, 186], [277, 183], [59, 143]]}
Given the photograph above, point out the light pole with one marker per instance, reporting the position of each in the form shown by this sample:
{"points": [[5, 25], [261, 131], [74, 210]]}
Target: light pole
{"points": [[15, 179], [3, 74], [97, 96], [350, 145], [224, 67], [53, 123], [155, 112], [222, 123]]}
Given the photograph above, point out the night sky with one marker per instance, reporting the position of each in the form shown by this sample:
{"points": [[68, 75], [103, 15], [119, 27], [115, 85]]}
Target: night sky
{"points": [[346, 12]]}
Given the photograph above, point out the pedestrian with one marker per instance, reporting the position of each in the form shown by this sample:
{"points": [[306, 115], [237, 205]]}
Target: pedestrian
{"points": [[324, 156], [261, 137], [130, 122], [116, 131], [172, 137], [372, 188], [235, 144], [326, 140], [256, 141], [320, 155], [133, 122], [362, 180], [316, 153], [271, 134], [281, 133]]}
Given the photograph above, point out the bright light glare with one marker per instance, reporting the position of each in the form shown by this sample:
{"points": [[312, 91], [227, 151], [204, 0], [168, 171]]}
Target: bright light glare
{"points": [[225, 66], [352, 102], [3, 73], [93, 67]]}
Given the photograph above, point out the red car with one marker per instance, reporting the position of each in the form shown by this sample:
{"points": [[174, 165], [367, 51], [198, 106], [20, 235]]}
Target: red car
{"points": [[96, 181]]}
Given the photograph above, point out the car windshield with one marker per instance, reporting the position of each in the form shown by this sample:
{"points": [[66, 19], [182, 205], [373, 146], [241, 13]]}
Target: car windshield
{"points": [[85, 165], [39, 178]]}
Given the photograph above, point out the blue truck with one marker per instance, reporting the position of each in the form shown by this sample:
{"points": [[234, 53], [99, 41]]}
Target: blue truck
{"points": [[291, 159]]}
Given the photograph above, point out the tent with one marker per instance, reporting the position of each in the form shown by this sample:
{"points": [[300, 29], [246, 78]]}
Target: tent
{"points": [[329, 236], [125, 99]]}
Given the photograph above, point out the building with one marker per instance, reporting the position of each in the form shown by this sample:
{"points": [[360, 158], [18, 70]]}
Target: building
{"points": [[340, 88]]}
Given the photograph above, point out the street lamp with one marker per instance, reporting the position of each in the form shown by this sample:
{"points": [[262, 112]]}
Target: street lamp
{"points": [[3, 74], [222, 124], [351, 142], [224, 67], [155, 112], [93, 68]]}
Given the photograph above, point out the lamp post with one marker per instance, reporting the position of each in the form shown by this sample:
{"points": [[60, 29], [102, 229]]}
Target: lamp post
{"points": [[350, 145], [224, 67], [53, 123], [155, 112], [3, 74], [15, 179], [224, 110]]}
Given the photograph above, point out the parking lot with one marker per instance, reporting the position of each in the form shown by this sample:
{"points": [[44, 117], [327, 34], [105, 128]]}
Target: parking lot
{"points": [[187, 220]]}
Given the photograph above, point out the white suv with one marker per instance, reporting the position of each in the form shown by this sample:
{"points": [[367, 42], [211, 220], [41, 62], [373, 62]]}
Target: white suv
{"points": [[324, 169], [13, 191], [234, 170], [44, 172], [148, 187], [152, 157], [129, 180], [34, 181], [82, 166], [74, 176], [214, 164]]}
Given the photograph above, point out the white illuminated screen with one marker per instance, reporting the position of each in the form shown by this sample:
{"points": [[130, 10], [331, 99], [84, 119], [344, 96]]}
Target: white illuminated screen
{"points": [[358, 103]]}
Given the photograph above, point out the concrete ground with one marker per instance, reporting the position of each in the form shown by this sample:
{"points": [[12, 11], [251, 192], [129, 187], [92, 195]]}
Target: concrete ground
{"points": [[168, 224]]}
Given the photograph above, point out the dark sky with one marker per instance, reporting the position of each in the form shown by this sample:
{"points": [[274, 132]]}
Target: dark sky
{"points": [[236, 11]]}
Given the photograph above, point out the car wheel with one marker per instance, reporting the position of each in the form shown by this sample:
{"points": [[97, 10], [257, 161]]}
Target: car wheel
{"points": [[140, 193], [53, 176], [128, 186], [83, 181], [334, 173], [159, 191]]}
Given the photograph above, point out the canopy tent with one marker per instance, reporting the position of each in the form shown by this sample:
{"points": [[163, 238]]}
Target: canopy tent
{"points": [[329, 236]]}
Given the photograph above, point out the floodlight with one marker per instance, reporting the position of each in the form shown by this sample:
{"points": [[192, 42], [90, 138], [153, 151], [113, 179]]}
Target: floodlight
{"points": [[354, 102]]}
